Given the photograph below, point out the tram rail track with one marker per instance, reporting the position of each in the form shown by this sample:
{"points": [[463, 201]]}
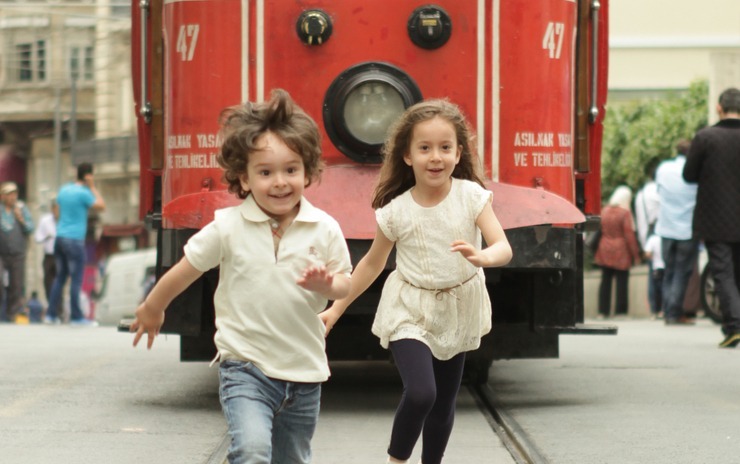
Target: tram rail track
{"points": [[220, 454], [514, 438]]}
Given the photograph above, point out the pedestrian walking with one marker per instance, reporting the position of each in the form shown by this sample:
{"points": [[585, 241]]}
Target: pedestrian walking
{"points": [[16, 224], [75, 200], [679, 248], [618, 251], [714, 163], [647, 206], [653, 252], [46, 234]]}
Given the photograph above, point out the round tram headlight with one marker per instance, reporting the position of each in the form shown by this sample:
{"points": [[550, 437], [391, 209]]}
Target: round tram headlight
{"points": [[362, 103], [370, 109]]}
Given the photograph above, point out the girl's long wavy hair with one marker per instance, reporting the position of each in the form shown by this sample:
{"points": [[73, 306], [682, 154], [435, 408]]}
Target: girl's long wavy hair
{"points": [[396, 176], [243, 125]]}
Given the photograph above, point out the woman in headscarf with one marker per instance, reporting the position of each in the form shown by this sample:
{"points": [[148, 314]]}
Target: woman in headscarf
{"points": [[617, 252]]}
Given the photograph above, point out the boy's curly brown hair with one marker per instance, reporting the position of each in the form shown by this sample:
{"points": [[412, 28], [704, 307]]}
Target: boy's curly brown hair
{"points": [[243, 125]]}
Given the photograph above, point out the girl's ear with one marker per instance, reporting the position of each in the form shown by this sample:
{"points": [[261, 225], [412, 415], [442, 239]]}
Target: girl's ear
{"points": [[459, 153], [407, 159]]}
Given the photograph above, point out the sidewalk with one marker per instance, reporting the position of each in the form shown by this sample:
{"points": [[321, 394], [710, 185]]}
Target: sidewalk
{"points": [[651, 394], [638, 302]]}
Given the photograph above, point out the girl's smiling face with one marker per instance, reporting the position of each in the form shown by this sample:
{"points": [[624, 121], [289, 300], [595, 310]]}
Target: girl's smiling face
{"points": [[433, 153], [275, 177]]}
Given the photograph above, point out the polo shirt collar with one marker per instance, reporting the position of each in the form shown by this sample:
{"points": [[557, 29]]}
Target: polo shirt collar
{"points": [[251, 212]]}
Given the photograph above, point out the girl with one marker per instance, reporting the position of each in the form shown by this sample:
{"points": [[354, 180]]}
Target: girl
{"points": [[434, 307], [280, 260]]}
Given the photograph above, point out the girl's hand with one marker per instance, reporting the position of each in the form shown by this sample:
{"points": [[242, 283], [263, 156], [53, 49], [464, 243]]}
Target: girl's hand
{"points": [[147, 320], [468, 251], [329, 318], [317, 279]]}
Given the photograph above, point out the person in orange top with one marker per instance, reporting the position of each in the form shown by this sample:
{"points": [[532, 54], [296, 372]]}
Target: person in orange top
{"points": [[617, 252]]}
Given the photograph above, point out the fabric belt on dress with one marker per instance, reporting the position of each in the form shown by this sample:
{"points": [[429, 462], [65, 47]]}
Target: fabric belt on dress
{"points": [[439, 291]]}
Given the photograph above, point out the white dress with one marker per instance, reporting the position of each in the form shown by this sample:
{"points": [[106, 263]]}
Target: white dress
{"points": [[434, 295]]}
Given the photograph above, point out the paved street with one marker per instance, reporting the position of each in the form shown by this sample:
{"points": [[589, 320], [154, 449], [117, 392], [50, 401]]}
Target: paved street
{"points": [[83, 395], [651, 394]]}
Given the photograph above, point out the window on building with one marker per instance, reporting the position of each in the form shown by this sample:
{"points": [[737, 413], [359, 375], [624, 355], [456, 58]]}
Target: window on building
{"points": [[121, 10], [30, 61], [81, 63]]}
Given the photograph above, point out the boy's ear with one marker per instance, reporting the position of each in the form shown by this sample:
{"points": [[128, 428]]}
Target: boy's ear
{"points": [[244, 181]]}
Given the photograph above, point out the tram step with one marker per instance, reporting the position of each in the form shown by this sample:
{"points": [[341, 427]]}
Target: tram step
{"points": [[589, 329], [125, 325]]}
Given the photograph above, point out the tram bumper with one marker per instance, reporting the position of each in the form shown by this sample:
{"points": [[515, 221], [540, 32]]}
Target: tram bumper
{"points": [[539, 295]]}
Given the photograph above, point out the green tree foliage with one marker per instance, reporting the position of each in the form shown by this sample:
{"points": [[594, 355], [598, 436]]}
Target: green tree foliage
{"points": [[645, 132]]}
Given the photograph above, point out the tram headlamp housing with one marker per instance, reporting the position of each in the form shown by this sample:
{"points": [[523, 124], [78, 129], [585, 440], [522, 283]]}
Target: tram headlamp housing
{"points": [[360, 105]]}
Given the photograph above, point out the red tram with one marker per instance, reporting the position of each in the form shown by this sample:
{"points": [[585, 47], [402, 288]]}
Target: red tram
{"points": [[531, 77]]}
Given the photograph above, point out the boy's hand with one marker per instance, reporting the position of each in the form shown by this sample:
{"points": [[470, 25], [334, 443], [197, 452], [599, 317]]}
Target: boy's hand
{"points": [[147, 320], [316, 279]]}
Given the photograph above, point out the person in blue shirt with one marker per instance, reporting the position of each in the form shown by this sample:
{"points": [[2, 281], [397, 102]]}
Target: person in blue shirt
{"points": [[74, 200], [678, 247]]}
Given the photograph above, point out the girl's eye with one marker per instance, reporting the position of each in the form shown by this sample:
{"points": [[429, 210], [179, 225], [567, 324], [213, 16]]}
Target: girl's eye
{"points": [[292, 170], [264, 173]]}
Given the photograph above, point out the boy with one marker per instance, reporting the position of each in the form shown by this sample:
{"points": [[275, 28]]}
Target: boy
{"points": [[280, 260]]}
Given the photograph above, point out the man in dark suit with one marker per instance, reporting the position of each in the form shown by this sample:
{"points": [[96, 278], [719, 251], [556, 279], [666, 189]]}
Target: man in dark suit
{"points": [[714, 163]]}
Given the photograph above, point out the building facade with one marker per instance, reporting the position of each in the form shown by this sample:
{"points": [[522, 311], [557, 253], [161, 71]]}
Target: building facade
{"points": [[66, 90], [65, 97], [658, 47]]}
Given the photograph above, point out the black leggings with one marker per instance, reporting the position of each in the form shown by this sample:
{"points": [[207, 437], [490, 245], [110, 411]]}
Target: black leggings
{"points": [[605, 291], [430, 389]]}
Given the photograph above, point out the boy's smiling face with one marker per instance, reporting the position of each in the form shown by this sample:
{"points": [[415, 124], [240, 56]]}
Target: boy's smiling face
{"points": [[275, 177]]}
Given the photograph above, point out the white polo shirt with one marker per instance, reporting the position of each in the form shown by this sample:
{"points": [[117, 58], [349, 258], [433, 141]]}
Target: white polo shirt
{"points": [[262, 315]]}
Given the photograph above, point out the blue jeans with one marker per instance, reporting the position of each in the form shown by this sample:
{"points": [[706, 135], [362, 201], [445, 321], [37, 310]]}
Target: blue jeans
{"points": [[270, 421], [70, 261], [679, 257]]}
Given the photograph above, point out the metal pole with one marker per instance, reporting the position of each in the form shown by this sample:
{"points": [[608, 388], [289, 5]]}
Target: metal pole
{"points": [[73, 113], [58, 137]]}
